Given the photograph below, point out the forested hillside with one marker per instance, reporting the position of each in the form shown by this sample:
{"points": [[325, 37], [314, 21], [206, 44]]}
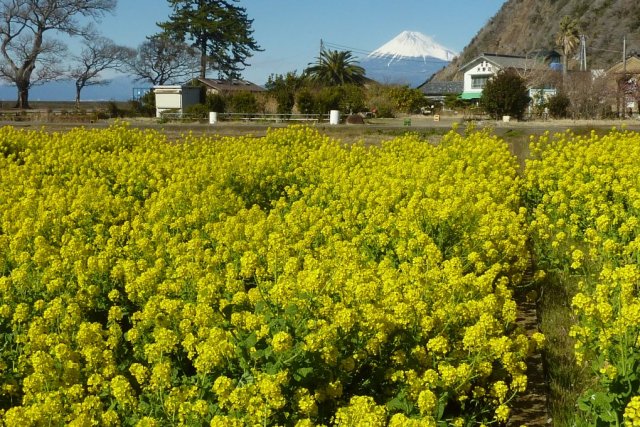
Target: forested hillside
{"points": [[522, 26]]}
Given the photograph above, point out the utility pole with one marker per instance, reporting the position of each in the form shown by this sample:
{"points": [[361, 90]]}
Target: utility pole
{"points": [[624, 54], [583, 52]]}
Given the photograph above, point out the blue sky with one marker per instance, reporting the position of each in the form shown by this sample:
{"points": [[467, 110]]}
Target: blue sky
{"points": [[290, 31]]}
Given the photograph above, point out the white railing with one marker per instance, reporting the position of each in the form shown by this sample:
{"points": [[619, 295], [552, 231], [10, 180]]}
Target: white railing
{"points": [[249, 118]]}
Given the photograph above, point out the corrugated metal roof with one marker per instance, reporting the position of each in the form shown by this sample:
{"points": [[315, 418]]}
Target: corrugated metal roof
{"points": [[234, 85]]}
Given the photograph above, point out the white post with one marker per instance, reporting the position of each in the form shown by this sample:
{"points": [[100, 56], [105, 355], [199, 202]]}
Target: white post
{"points": [[213, 118], [334, 117]]}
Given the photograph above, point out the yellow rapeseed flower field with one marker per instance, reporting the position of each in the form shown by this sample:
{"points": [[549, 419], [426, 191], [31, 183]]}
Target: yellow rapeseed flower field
{"points": [[584, 196], [284, 280]]}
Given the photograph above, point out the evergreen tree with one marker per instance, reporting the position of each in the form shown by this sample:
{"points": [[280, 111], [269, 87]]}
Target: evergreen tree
{"points": [[283, 89], [567, 38], [335, 68], [219, 29], [505, 95]]}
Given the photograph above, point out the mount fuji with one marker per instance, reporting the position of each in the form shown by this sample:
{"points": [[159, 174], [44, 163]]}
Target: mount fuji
{"points": [[409, 58]]}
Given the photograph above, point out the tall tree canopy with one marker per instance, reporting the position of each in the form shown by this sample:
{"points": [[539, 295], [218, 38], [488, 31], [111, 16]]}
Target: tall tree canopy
{"points": [[219, 29], [98, 54], [23, 26], [161, 60], [567, 38], [336, 68]]}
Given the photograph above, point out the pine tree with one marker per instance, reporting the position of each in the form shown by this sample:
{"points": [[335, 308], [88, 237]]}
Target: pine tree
{"points": [[219, 29]]}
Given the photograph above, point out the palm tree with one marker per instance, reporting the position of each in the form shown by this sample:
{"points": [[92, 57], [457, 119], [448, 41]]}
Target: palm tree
{"points": [[567, 38], [335, 68]]}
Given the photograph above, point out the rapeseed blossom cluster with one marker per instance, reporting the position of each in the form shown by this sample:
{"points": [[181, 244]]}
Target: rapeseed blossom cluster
{"points": [[282, 280], [584, 197]]}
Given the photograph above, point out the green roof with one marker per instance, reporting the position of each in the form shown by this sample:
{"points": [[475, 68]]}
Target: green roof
{"points": [[470, 95]]}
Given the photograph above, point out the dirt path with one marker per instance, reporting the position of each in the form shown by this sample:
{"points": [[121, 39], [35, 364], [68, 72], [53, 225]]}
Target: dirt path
{"points": [[530, 409]]}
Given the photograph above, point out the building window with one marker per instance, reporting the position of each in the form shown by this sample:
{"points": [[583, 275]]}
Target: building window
{"points": [[478, 82]]}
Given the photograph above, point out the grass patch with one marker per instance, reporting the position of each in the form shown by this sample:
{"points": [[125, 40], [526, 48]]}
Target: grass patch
{"points": [[566, 380]]}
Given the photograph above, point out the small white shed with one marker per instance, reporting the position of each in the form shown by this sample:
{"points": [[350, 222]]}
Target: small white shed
{"points": [[175, 97]]}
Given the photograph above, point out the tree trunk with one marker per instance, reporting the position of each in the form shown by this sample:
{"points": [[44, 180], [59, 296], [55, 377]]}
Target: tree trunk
{"points": [[78, 89], [23, 95], [203, 59]]}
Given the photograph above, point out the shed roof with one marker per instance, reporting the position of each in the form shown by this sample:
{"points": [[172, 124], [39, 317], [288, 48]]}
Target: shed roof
{"points": [[632, 66], [437, 88], [508, 61], [234, 85]]}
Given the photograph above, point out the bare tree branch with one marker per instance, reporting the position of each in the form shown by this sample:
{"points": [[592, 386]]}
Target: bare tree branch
{"points": [[98, 54], [161, 60], [22, 38]]}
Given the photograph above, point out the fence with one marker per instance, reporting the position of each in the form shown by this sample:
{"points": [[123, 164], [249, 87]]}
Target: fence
{"points": [[47, 115], [248, 118]]}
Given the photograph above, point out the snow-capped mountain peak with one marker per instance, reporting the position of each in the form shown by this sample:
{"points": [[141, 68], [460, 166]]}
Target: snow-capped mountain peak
{"points": [[413, 44]]}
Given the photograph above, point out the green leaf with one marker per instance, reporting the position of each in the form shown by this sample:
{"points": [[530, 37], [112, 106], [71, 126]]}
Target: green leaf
{"points": [[302, 373], [399, 403], [291, 310], [602, 400], [250, 341]]}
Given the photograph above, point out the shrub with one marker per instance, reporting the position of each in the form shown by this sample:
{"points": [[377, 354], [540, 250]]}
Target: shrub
{"points": [[216, 102], [198, 111], [505, 95], [559, 105], [282, 88], [305, 101], [352, 99], [407, 100], [244, 102], [327, 99]]}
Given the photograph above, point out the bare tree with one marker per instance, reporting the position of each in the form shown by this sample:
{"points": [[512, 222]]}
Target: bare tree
{"points": [[98, 54], [161, 60], [23, 26], [590, 97]]}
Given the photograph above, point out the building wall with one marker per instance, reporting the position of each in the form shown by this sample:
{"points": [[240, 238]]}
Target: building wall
{"points": [[175, 98], [482, 69]]}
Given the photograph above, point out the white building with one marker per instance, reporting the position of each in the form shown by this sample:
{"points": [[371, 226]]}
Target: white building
{"points": [[175, 98], [478, 71]]}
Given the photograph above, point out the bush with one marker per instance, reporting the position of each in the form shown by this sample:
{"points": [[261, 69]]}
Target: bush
{"points": [[327, 99], [558, 105], [305, 101], [407, 100], [391, 100], [244, 102], [216, 102], [113, 111], [198, 111], [352, 99], [282, 88], [138, 108], [505, 95]]}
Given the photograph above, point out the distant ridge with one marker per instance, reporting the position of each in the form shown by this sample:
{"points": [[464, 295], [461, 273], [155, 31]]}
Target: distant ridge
{"points": [[119, 88], [410, 58]]}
